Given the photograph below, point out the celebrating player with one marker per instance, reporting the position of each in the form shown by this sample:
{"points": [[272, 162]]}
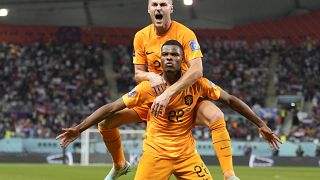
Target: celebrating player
{"points": [[169, 147], [147, 44]]}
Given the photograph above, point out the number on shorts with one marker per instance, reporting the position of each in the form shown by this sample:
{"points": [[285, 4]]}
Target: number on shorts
{"points": [[201, 170]]}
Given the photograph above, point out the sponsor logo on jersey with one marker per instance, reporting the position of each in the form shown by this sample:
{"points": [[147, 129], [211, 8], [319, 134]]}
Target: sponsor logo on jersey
{"points": [[188, 100], [194, 45], [132, 92]]}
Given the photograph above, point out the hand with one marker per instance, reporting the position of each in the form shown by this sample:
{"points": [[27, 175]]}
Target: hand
{"points": [[157, 83], [160, 103], [269, 136], [69, 135]]}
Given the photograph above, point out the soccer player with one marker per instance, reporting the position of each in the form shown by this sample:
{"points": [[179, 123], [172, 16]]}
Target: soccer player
{"points": [[147, 44], [169, 147]]}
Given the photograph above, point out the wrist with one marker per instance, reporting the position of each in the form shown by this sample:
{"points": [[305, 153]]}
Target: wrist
{"points": [[169, 92], [261, 124], [79, 128]]}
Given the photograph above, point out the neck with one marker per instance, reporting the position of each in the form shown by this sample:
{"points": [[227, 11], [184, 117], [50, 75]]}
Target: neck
{"points": [[163, 29], [171, 76]]}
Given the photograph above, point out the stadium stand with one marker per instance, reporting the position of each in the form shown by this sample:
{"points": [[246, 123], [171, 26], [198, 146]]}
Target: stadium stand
{"points": [[45, 87]]}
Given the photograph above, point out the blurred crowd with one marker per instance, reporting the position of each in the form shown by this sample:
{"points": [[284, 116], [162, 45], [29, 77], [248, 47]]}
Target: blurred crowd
{"points": [[45, 87], [123, 68], [238, 68], [299, 70]]}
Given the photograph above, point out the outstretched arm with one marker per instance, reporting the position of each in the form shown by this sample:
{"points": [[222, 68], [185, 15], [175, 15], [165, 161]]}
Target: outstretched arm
{"points": [[193, 74], [243, 109], [71, 134]]}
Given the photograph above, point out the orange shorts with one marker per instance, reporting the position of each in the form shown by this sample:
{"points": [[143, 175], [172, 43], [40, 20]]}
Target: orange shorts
{"points": [[187, 168], [142, 111]]}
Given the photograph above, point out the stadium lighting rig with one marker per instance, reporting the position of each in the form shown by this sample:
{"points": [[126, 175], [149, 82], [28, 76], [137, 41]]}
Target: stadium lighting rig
{"points": [[4, 12], [188, 2]]}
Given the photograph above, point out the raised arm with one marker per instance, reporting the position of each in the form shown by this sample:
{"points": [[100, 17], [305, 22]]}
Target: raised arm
{"points": [[71, 134], [243, 109]]}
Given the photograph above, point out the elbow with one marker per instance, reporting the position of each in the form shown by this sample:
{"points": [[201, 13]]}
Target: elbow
{"points": [[136, 78], [235, 102], [198, 75], [112, 109], [230, 101]]}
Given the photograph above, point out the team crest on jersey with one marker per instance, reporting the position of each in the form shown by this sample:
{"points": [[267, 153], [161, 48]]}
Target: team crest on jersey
{"points": [[132, 92], [212, 84], [194, 45], [188, 100]]}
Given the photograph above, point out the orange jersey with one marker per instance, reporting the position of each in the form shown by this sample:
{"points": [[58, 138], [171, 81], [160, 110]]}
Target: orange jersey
{"points": [[147, 46], [170, 136]]}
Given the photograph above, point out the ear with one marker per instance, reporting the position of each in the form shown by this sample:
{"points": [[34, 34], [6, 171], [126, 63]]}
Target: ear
{"points": [[171, 9]]}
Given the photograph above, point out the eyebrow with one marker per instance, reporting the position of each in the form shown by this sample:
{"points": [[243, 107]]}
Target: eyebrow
{"points": [[161, 4]]}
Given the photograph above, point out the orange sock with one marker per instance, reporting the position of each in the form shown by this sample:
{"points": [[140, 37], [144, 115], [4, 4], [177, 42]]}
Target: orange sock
{"points": [[112, 140], [222, 144]]}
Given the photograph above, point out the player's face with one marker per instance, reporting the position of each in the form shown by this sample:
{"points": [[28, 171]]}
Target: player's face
{"points": [[160, 11], [171, 58]]}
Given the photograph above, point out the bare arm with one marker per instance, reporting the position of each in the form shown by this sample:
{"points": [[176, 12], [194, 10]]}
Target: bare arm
{"points": [[140, 73], [71, 134], [241, 107], [100, 114]]}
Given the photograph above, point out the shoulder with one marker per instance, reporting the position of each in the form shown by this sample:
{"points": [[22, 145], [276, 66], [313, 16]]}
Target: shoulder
{"points": [[202, 81], [144, 32], [182, 28], [143, 89], [144, 86]]}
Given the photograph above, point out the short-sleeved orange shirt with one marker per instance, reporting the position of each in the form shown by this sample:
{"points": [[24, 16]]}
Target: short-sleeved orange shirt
{"points": [[171, 136], [147, 46]]}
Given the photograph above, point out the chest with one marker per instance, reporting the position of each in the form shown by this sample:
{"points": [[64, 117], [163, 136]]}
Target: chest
{"points": [[181, 107]]}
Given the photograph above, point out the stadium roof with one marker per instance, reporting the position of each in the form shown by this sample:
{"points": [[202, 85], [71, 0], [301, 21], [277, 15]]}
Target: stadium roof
{"points": [[133, 13]]}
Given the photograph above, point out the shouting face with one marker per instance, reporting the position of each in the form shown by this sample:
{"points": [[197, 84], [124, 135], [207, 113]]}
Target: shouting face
{"points": [[160, 12]]}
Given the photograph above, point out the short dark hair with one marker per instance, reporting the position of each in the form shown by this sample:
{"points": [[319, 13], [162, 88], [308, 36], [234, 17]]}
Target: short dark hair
{"points": [[173, 42]]}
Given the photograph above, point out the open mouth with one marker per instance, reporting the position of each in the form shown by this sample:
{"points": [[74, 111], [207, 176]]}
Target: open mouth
{"points": [[159, 16]]}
